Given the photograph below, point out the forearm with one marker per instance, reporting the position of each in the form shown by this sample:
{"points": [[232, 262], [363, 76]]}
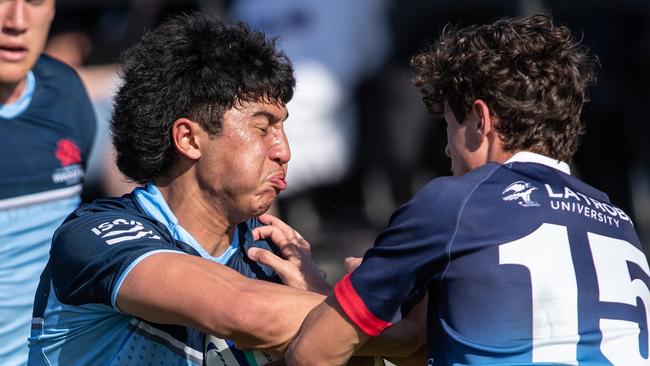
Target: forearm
{"points": [[326, 337], [272, 318], [186, 290], [402, 339], [399, 340]]}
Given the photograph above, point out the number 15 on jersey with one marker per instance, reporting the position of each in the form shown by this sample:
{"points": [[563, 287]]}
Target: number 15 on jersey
{"points": [[546, 253]]}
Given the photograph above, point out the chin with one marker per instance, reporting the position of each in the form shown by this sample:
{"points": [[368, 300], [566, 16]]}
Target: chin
{"points": [[12, 74], [261, 208]]}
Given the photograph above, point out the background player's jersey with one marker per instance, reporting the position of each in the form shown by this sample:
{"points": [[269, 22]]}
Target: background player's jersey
{"points": [[523, 264], [46, 139], [76, 320]]}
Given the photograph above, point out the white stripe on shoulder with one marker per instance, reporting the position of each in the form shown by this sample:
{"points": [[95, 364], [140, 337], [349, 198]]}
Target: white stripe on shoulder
{"points": [[40, 197], [172, 341]]}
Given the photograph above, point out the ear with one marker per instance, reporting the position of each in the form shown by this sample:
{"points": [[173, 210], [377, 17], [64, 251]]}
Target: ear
{"points": [[186, 138], [485, 122]]}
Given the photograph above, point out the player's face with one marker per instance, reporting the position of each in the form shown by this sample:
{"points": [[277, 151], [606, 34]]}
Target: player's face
{"points": [[25, 24], [463, 143], [246, 166]]}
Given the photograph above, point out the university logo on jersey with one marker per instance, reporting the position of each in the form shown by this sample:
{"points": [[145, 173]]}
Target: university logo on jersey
{"points": [[520, 192], [120, 230]]}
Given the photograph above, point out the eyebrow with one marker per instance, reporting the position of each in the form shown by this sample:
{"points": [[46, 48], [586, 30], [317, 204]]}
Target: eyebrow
{"points": [[270, 116]]}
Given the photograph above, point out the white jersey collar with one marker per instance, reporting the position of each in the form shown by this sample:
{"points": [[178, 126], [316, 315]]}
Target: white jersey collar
{"points": [[531, 157]]}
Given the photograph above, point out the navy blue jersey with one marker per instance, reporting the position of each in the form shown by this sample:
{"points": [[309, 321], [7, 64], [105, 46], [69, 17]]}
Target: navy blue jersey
{"points": [[44, 149], [76, 319], [46, 139], [522, 263]]}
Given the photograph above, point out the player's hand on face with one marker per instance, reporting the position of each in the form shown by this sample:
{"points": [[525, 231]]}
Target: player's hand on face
{"points": [[351, 263], [295, 267]]}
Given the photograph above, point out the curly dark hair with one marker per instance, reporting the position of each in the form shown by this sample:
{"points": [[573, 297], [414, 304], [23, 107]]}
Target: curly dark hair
{"points": [[533, 75], [194, 66]]}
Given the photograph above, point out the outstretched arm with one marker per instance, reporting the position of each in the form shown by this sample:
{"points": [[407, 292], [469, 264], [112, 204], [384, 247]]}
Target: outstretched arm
{"points": [[182, 289], [402, 340], [326, 337]]}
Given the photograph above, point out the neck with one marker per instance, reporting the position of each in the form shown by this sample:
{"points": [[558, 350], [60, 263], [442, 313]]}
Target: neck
{"points": [[210, 227], [495, 151], [11, 92]]}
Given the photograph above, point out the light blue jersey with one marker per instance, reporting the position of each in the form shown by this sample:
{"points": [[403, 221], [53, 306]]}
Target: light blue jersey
{"points": [[76, 319], [46, 138], [25, 242]]}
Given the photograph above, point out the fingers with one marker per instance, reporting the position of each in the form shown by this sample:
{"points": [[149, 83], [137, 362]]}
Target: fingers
{"points": [[267, 232], [276, 222], [351, 263], [289, 242], [291, 274], [266, 257]]}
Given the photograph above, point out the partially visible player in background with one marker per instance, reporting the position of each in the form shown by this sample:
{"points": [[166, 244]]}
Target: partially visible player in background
{"points": [[141, 279], [522, 263], [47, 127]]}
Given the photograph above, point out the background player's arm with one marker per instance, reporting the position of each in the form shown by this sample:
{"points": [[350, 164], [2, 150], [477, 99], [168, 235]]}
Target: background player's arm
{"points": [[171, 288]]}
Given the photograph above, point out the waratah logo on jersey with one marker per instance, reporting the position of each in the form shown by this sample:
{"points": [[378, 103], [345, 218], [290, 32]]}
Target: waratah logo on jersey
{"points": [[69, 155], [520, 191], [121, 230], [67, 152]]}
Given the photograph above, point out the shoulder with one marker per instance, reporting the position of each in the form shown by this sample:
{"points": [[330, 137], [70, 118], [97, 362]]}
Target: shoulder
{"points": [[107, 222], [55, 75], [96, 247], [451, 193], [49, 68]]}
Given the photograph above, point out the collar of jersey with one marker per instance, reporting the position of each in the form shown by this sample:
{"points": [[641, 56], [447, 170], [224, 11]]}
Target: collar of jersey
{"points": [[153, 203], [12, 110], [531, 157]]}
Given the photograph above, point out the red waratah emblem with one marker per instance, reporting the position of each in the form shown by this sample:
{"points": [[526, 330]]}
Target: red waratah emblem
{"points": [[67, 152]]}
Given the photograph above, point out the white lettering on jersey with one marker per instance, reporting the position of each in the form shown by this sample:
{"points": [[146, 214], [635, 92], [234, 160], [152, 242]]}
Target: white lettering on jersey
{"points": [[135, 230], [70, 174], [580, 203]]}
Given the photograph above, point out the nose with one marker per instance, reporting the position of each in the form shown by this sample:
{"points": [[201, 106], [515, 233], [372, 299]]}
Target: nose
{"points": [[280, 151], [16, 20]]}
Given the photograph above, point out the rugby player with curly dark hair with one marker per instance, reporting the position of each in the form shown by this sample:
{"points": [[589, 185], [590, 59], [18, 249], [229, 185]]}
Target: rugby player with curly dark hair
{"points": [[141, 279], [521, 262], [171, 273]]}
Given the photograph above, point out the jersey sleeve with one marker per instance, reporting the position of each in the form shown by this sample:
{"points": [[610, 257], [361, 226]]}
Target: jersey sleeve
{"points": [[91, 255], [406, 257]]}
